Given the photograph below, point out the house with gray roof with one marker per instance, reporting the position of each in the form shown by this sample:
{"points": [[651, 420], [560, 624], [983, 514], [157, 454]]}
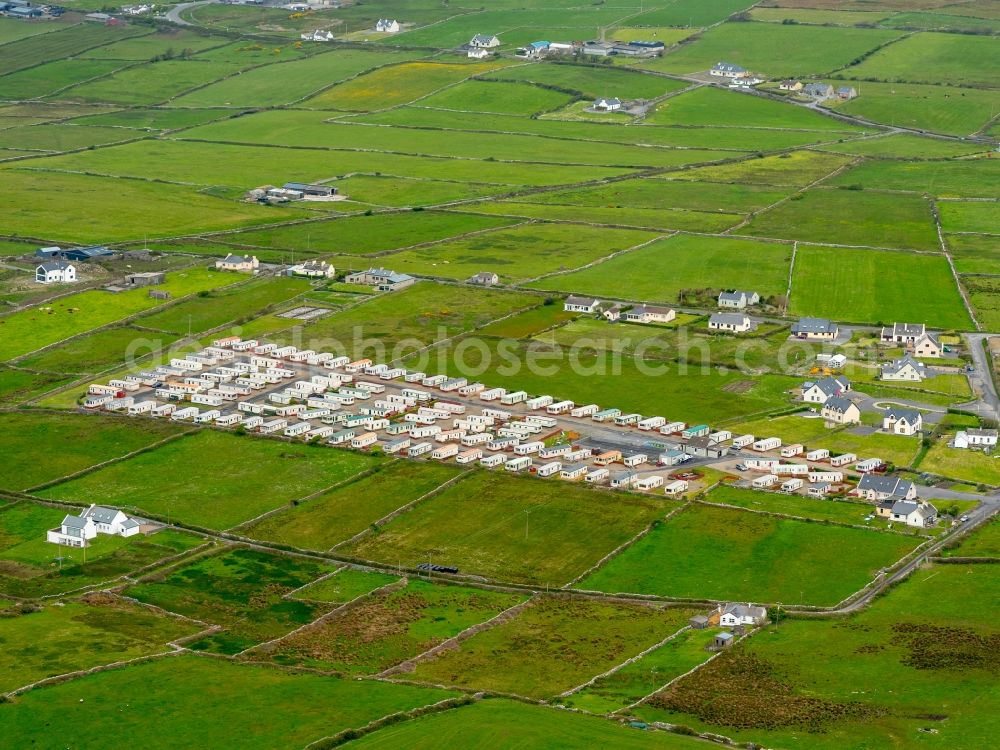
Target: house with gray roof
{"points": [[915, 513], [77, 531], [382, 279], [724, 69], [732, 615], [903, 333], [818, 90], [975, 438], [878, 487], [731, 322], [55, 272], [485, 278], [822, 390], [240, 263], [738, 299], [907, 369], [840, 410], [899, 420], [484, 41], [649, 314], [815, 329], [608, 104], [575, 303]]}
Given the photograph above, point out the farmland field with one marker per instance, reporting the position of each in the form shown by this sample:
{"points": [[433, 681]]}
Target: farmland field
{"points": [[794, 505], [934, 58], [730, 554], [206, 494], [985, 542]]}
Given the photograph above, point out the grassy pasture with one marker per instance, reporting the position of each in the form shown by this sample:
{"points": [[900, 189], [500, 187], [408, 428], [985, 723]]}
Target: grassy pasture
{"points": [[805, 50], [798, 168], [97, 630], [389, 627], [242, 590], [359, 235], [818, 15], [940, 109], [497, 97], [934, 58], [71, 40], [712, 106], [211, 492], [195, 701], [519, 253], [660, 271], [396, 84], [590, 81], [730, 554], [350, 509], [970, 466], [904, 146], [478, 525], [400, 192], [28, 565], [36, 327], [970, 216], [689, 13], [983, 542], [964, 178], [43, 80], [152, 119], [851, 217], [98, 351], [12, 29], [142, 48], [345, 585], [984, 292], [553, 645], [27, 441], [856, 285], [794, 505], [919, 657], [140, 208], [391, 326], [530, 322], [61, 136], [17, 386], [523, 725], [614, 216]]}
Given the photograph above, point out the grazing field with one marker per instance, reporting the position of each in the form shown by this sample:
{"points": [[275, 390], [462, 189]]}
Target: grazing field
{"points": [[72, 40], [497, 97], [972, 216], [729, 554], [196, 701], [29, 565], [797, 169], [919, 658], [345, 585], [805, 50], [388, 628], [662, 271], [49, 78], [637, 680], [360, 235], [964, 178], [941, 109], [219, 467], [61, 137], [851, 217], [712, 106], [965, 465], [26, 442], [99, 629], [365, 191], [31, 329], [519, 253], [353, 507], [617, 216], [934, 58], [478, 525], [529, 323], [589, 81], [983, 542], [855, 285], [140, 207], [838, 511], [554, 644], [905, 146], [152, 119], [391, 326], [143, 48], [974, 253], [17, 386], [984, 296], [242, 590]]}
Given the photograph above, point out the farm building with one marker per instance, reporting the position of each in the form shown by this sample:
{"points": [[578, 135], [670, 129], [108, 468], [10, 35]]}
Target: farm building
{"points": [[149, 278], [83, 254], [309, 189], [732, 322], [846, 93], [815, 329], [55, 272], [738, 299], [240, 263], [900, 421], [723, 640]]}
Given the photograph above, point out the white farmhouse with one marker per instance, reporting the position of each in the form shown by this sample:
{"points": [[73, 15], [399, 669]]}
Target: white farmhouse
{"points": [[733, 322], [906, 369], [248, 263], [732, 615], [387, 26], [975, 438], [588, 305], [484, 41], [77, 531], [900, 421], [55, 272]]}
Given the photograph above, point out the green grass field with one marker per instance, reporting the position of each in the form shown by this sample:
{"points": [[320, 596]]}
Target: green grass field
{"points": [[965, 178], [854, 284], [969, 216], [970, 466], [728, 554], [496, 97], [350, 509], [919, 658], [211, 491], [65, 42], [389, 627], [839, 511], [797, 168], [553, 645], [99, 629], [195, 700], [478, 525], [345, 585], [589, 81], [934, 58], [984, 542]]}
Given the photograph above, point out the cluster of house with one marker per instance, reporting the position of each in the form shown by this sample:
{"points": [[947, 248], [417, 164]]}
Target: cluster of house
{"points": [[313, 269], [738, 322], [78, 530], [381, 279], [290, 191], [591, 49], [896, 500], [319, 35], [837, 408], [819, 91], [28, 10], [736, 616], [614, 311], [480, 45], [737, 76]]}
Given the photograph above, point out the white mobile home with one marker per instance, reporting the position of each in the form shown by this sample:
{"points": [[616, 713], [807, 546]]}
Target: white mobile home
{"points": [[518, 463], [553, 451], [477, 438], [414, 377], [843, 459], [493, 460], [526, 449], [576, 471], [792, 450], [205, 399], [792, 485], [467, 457], [318, 433], [253, 423], [720, 436], [548, 422], [584, 411], [677, 487], [649, 483], [364, 440], [471, 389], [445, 451], [819, 454], [539, 402], [869, 464], [761, 483], [597, 475], [671, 428], [605, 415], [183, 414], [560, 407], [492, 394], [423, 431], [791, 470], [341, 437], [396, 445], [503, 444], [766, 444], [623, 420], [623, 479], [228, 420], [652, 423], [299, 428], [207, 417], [164, 410], [273, 426], [512, 398], [142, 407], [825, 477], [636, 459], [419, 449]]}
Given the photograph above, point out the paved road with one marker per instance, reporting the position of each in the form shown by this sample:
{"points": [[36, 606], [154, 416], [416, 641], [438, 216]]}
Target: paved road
{"points": [[988, 405], [174, 14]]}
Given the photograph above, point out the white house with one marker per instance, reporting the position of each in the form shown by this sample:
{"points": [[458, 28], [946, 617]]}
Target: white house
{"points": [[738, 299], [728, 70], [608, 104], [485, 278], [484, 41], [733, 322], [815, 329], [77, 531], [976, 439], [914, 513], [382, 279], [238, 263], [900, 421], [928, 346], [903, 333], [906, 369], [55, 272], [822, 390], [878, 487], [320, 35], [478, 53], [839, 410], [649, 314], [732, 615], [313, 269], [574, 303], [387, 26]]}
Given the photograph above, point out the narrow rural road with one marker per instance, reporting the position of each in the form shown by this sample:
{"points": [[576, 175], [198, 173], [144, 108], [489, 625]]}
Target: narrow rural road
{"points": [[988, 405], [174, 14]]}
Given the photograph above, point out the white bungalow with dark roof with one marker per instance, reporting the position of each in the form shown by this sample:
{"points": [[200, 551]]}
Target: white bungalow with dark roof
{"points": [[738, 299], [238, 263], [822, 390], [313, 269], [55, 272], [77, 531], [484, 41], [727, 70], [608, 104], [902, 421], [575, 303], [732, 615], [382, 279], [976, 439], [915, 513], [815, 329], [732, 322], [649, 314]]}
